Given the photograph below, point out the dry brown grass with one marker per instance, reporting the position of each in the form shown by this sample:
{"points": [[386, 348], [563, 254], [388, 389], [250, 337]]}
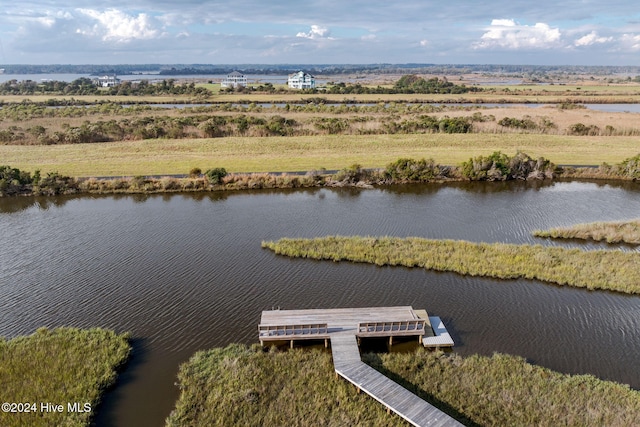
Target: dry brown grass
{"points": [[622, 123]]}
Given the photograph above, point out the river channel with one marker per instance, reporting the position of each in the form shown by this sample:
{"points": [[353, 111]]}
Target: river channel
{"points": [[186, 272]]}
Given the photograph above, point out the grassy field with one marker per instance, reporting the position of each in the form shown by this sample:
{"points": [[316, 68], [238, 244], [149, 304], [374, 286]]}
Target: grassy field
{"points": [[259, 154], [58, 366], [238, 385], [611, 232], [603, 270], [499, 93]]}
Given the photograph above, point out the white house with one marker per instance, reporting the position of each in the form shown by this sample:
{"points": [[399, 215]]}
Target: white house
{"points": [[107, 81], [302, 80], [234, 80]]}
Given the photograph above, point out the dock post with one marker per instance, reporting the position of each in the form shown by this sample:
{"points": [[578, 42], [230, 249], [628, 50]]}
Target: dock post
{"points": [[291, 346], [326, 343], [391, 340]]}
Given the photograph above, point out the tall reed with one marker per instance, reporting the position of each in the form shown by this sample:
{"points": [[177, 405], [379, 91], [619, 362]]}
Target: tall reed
{"points": [[603, 270], [611, 232], [59, 366], [238, 385]]}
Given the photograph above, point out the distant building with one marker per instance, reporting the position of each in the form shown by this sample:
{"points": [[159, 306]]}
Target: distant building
{"points": [[1, 70], [235, 79], [107, 81], [302, 80]]}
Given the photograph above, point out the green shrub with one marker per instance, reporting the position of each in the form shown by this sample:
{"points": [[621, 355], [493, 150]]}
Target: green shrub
{"points": [[14, 181], [630, 168], [54, 184], [455, 125], [524, 123], [216, 175], [212, 127], [352, 174], [584, 130], [500, 167], [415, 170]]}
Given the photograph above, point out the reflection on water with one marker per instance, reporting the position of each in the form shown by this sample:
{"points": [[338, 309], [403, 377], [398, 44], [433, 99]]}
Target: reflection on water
{"points": [[185, 272]]}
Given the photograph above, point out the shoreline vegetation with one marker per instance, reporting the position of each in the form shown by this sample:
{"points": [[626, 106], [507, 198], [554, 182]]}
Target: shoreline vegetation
{"points": [[240, 385], [494, 167], [594, 270], [59, 366], [611, 232]]}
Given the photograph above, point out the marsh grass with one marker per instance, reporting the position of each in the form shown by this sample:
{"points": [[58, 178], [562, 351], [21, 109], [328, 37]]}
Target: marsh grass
{"points": [[281, 154], [603, 270], [505, 390], [60, 366], [611, 232], [241, 386], [238, 385]]}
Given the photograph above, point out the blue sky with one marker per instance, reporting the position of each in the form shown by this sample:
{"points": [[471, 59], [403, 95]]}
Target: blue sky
{"points": [[573, 32]]}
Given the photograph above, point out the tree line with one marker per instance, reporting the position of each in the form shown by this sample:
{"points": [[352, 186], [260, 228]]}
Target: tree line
{"points": [[86, 86]]}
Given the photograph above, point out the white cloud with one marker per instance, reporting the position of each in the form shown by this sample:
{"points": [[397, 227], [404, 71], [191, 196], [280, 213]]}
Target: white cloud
{"points": [[631, 41], [424, 43], [49, 19], [316, 32], [508, 34], [592, 38], [115, 25], [46, 21]]}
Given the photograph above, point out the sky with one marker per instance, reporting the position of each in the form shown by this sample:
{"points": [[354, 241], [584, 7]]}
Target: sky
{"points": [[542, 32]]}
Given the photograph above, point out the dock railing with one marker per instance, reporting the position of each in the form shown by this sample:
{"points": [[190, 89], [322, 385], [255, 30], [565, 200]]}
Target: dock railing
{"points": [[405, 327], [287, 332]]}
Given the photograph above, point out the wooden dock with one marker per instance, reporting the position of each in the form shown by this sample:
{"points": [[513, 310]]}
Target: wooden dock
{"points": [[343, 328]]}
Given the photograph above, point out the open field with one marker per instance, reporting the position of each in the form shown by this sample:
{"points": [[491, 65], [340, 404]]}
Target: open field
{"points": [[27, 122], [578, 92], [481, 97], [248, 137], [59, 366], [238, 385], [611, 232], [603, 270], [258, 154]]}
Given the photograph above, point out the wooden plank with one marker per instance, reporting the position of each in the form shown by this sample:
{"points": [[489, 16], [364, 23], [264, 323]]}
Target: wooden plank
{"points": [[338, 317], [395, 397], [341, 326], [441, 336], [422, 314]]}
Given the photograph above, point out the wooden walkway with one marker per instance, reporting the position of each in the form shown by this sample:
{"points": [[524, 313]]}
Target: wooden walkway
{"points": [[342, 327], [347, 363]]}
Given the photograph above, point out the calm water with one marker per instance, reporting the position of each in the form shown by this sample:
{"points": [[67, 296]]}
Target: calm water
{"points": [[186, 272]]}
